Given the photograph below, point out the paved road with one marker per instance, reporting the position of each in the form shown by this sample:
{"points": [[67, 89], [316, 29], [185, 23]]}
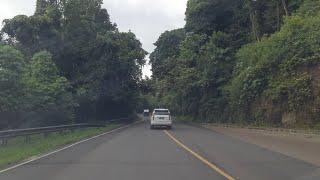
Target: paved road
{"points": [[138, 153]]}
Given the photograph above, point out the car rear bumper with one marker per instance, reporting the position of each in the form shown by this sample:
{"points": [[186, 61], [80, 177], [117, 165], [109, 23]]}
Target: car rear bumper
{"points": [[161, 123]]}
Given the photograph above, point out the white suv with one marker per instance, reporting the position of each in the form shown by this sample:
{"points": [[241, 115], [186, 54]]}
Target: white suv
{"points": [[160, 118]]}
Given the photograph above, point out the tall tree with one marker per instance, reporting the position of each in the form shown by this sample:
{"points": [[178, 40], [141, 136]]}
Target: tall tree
{"points": [[41, 6], [167, 49], [85, 62], [207, 16], [11, 85], [247, 60], [48, 92]]}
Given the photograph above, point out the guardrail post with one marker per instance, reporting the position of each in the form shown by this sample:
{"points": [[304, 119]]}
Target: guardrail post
{"points": [[3, 141], [61, 132], [27, 139], [45, 134]]}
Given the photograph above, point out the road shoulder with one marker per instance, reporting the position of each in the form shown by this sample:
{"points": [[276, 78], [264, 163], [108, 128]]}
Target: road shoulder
{"points": [[299, 147]]}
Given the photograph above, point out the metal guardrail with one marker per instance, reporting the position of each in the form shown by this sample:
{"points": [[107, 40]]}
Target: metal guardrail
{"points": [[8, 134], [308, 132], [119, 119], [30, 131]]}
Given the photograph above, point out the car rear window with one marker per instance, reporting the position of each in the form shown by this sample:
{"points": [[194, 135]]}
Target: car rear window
{"points": [[161, 112]]}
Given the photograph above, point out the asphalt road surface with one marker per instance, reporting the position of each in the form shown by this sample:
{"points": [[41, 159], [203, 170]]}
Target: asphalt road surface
{"points": [[183, 153]]}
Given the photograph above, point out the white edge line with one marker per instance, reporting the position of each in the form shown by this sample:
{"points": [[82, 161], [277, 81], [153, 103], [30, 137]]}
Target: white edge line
{"points": [[64, 148]]}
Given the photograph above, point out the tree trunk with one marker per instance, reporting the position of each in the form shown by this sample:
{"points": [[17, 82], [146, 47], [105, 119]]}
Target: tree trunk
{"points": [[253, 26], [278, 17], [284, 4]]}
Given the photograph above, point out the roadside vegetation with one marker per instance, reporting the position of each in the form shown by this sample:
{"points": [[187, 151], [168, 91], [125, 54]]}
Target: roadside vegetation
{"points": [[18, 149], [244, 62], [67, 63]]}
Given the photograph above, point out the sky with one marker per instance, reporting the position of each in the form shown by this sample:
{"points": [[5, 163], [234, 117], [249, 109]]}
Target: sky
{"points": [[146, 18]]}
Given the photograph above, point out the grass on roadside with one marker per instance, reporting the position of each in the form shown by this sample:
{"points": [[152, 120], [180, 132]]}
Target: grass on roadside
{"points": [[17, 149]]}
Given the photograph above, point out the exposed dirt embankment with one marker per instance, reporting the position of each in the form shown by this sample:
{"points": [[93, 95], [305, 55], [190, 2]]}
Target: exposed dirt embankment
{"points": [[306, 148]]}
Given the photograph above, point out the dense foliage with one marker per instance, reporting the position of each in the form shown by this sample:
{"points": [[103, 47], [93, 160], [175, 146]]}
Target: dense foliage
{"points": [[67, 63], [242, 61]]}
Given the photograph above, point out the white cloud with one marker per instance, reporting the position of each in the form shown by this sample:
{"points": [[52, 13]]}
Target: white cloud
{"points": [[11, 8], [146, 18]]}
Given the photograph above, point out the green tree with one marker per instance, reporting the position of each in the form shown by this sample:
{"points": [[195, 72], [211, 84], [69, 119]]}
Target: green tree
{"points": [[102, 65], [207, 16], [167, 49], [109, 83], [249, 61], [12, 91], [278, 72], [12, 66], [49, 97]]}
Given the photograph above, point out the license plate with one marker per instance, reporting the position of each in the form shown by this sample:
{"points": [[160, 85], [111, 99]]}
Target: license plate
{"points": [[161, 118]]}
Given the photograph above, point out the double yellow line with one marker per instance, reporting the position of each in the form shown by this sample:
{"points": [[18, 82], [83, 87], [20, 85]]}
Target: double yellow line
{"points": [[204, 160]]}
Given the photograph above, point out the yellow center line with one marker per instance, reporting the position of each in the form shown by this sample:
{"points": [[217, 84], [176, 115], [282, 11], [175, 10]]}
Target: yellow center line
{"points": [[204, 160]]}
